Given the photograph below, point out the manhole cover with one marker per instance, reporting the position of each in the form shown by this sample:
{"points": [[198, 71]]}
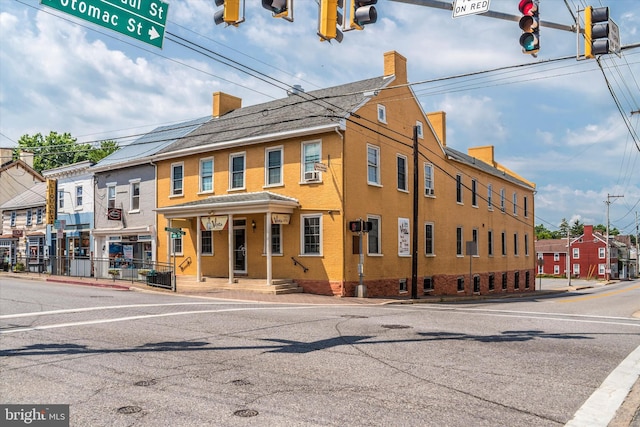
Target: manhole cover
{"points": [[240, 382], [145, 383], [129, 409], [396, 326], [246, 413]]}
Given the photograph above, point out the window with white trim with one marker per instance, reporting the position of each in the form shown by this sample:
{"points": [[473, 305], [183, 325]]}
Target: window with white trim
{"points": [[13, 218], [311, 154], [177, 179], [134, 191], [78, 196], [373, 164], [111, 196], [474, 192], [206, 175], [401, 162], [237, 171], [60, 199], [576, 253], [428, 180], [374, 246], [420, 128], [490, 196], [459, 188], [502, 200], [429, 246], [311, 234], [601, 253], [29, 217], [382, 113], [39, 215], [273, 166], [515, 204], [459, 241]]}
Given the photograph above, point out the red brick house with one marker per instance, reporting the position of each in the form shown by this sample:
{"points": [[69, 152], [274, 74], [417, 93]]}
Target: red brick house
{"points": [[588, 256]]}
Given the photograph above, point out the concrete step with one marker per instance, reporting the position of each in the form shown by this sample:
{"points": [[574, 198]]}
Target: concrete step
{"points": [[278, 287]]}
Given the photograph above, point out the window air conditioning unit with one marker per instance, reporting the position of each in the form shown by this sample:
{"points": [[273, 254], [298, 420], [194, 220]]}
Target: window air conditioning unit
{"points": [[312, 176]]}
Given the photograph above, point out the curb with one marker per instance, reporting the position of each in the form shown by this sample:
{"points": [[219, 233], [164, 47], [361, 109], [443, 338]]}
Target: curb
{"points": [[95, 284]]}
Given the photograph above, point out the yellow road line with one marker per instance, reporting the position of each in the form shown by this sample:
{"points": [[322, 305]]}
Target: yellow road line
{"points": [[602, 295]]}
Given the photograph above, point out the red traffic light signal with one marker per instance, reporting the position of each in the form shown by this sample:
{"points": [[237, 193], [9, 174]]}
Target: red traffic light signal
{"points": [[530, 25]]}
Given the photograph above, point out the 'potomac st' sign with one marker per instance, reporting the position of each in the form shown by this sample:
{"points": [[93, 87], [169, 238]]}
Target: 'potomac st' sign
{"points": [[143, 20]]}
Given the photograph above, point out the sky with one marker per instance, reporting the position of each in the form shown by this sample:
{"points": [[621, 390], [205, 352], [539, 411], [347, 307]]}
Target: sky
{"points": [[558, 120]]}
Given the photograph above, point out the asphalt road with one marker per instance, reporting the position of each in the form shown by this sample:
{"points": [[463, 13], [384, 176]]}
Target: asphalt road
{"points": [[124, 358]]}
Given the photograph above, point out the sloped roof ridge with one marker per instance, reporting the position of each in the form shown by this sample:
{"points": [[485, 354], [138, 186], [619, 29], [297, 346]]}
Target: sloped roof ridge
{"points": [[479, 164], [31, 197], [306, 110]]}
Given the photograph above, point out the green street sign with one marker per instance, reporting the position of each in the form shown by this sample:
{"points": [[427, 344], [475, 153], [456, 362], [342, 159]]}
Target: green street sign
{"points": [[175, 230], [142, 20], [176, 235]]}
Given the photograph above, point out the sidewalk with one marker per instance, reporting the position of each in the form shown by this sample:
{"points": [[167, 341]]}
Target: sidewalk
{"points": [[188, 286]]}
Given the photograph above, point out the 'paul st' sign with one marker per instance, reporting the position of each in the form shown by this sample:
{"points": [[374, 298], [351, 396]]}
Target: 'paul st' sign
{"points": [[143, 20]]}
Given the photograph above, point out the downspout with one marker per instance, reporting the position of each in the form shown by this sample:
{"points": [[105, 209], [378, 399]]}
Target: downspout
{"points": [[342, 214], [155, 225]]}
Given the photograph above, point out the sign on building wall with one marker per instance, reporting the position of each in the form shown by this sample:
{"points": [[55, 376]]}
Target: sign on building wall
{"points": [[404, 242], [280, 218], [214, 223], [51, 204]]}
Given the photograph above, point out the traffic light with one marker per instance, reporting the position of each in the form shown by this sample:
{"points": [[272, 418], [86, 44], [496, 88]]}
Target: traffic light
{"points": [[280, 8], [330, 16], [530, 24], [360, 226], [596, 31], [363, 13], [229, 14]]}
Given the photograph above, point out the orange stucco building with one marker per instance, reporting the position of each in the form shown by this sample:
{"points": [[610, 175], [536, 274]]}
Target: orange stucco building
{"points": [[268, 191]]}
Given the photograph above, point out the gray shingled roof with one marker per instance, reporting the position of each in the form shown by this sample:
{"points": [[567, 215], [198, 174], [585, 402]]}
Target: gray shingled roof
{"points": [[152, 142], [297, 111], [485, 167], [30, 198]]}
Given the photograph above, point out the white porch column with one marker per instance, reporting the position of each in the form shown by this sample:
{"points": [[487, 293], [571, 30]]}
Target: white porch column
{"points": [[230, 228], [198, 249], [169, 248], [268, 245]]}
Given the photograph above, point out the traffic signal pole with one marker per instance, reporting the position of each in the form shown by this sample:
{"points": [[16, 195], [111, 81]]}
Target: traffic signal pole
{"points": [[491, 14]]}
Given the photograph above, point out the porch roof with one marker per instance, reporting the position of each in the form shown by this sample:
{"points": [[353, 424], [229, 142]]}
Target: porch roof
{"points": [[241, 203]]}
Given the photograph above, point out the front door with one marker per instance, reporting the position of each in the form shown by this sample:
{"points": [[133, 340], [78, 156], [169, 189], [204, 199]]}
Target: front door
{"points": [[239, 249]]}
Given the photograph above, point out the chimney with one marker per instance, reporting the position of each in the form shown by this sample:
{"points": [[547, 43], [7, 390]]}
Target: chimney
{"points": [[27, 157], [224, 103], [485, 153], [439, 125], [395, 65], [6, 155]]}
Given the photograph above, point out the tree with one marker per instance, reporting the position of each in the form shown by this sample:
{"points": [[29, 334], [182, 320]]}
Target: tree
{"points": [[542, 233], [563, 229], [57, 150], [577, 228]]}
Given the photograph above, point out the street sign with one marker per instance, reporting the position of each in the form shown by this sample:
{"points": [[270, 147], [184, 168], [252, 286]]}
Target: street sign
{"points": [[142, 20], [614, 39], [469, 7], [175, 230], [176, 235]]}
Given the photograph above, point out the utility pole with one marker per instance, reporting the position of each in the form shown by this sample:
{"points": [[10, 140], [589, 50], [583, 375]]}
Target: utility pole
{"points": [[569, 255], [608, 246], [414, 251]]}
